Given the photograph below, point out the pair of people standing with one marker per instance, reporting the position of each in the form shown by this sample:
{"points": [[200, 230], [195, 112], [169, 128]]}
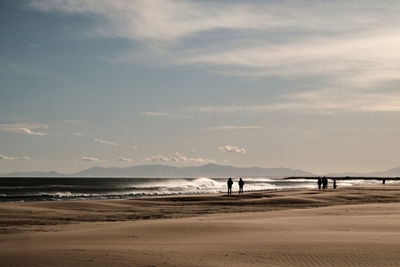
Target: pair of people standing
{"points": [[230, 183], [324, 183]]}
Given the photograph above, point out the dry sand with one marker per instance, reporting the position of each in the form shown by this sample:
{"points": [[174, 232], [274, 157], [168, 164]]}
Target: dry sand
{"points": [[346, 227]]}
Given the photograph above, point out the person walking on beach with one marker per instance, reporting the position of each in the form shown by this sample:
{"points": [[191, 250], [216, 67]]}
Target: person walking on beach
{"points": [[334, 184], [230, 183], [241, 184], [319, 183]]}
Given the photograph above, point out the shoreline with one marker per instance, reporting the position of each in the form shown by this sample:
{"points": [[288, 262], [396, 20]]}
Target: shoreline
{"points": [[145, 196], [16, 216]]}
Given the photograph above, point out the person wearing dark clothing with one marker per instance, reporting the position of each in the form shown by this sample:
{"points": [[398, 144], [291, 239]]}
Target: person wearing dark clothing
{"points": [[230, 183], [319, 183], [241, 184], [334, 184], [324, 183]]}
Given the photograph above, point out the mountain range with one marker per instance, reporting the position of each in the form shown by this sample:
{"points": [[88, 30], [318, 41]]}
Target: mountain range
{"points": [[208, 170], [394, 172]]}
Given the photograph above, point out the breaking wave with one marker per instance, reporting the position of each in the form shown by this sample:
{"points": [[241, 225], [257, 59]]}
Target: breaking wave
{"points": [[33, 189]]}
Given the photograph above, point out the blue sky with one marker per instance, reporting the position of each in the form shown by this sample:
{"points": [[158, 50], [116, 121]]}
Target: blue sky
{"points": [[301, 84]]}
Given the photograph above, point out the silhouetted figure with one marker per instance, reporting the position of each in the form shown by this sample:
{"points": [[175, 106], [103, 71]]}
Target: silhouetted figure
{"points": [[230, 183], [383, 181], [319, 183], [241, 184], [324, 183], [334, 184]]}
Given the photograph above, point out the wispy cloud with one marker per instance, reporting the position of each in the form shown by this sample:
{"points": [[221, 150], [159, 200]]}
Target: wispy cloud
{"points": [[156, 114], [178, 158], [105, 142], [343, 46], [230, 148], [314, 37], [191, 146], [30, 132], [165, 115], [34, 45], [171, 20], [234, 127], [91, 159], [25, 69], [160, 158], [3, 157], [163, 20], [324, 101], [357, 61], [124, 159], [25, 128], [182, 158], [74, 121]]}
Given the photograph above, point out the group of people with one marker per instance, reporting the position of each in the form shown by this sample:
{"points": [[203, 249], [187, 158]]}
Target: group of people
{"points": [[323, 182], [230, 183]]}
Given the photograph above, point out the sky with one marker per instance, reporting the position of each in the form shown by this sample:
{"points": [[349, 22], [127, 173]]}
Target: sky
{"points": [[308, 84]]}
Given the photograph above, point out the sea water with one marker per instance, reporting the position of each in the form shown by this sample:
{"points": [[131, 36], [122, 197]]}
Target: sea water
{"points": [[35, 189]]}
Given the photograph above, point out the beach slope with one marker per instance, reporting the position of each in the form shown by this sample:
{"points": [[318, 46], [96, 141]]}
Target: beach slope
{"points": [[347, 227]]}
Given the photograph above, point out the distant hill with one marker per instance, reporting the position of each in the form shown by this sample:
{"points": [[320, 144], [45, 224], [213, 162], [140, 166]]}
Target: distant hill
{"points": [[394, 172], [208, 170], [343, 174]]}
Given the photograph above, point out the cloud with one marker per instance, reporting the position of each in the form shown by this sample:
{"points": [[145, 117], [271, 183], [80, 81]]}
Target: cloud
{"points": [[323, 101], [25, 128], [162, 20], [171, 20], [158, 158], [233, 128], [74, 121], [34, 45], [124, 159], [353, 61], [30, 132], [304, 37], [2, 157], [101, 141], [164, 115], [342, 45], [331, 100], [91, 159], [178, 158], [156, 114], [182, 158], [191, 146], [29, 70], [230, 148]]}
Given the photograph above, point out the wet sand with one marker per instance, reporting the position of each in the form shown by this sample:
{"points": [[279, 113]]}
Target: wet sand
{"points": [[357, 226]]}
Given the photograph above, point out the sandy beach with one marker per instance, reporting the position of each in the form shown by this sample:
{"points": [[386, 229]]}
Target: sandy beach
{"points": [[354, 226]]}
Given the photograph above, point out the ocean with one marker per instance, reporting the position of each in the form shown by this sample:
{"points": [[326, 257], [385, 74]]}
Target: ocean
{"points": [[37, 189]]}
